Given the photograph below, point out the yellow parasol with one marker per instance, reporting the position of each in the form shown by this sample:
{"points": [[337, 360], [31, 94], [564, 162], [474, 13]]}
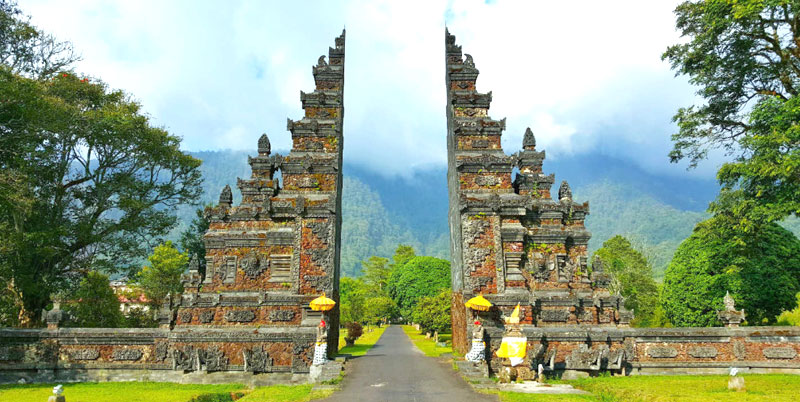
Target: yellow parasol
{"points": [[322, 303], [478, 303]]}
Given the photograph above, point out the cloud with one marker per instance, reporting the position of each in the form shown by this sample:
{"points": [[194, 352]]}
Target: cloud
{"points": [[586, 76]]}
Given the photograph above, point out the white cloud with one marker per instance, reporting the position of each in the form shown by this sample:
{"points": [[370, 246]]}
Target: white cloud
{"points": [[585, 75]]}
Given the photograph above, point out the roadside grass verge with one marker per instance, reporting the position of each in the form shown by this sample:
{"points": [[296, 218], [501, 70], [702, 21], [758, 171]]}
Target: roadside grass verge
{"points": [[286, 393], [119, 392], [162, 392], [683, 388], [426, 345], [364, 343]]}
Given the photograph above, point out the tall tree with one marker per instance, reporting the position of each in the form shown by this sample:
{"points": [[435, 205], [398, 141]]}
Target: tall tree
{"points": [[99, 183], [94, 304], [418, 277], [28, 51], [352, 297], [191, 240], [163, 276], [403, 253], [376, 272], [761, 271], [632, 278], [744, 55]]}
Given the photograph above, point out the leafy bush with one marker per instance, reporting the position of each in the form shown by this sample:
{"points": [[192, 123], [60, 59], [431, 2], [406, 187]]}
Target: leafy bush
{"points": [[760, 269], [139, 317], [432, 313], [354, 331], [791, 317], [94, 304], [163, 276], [633, 279], [416, 278]]}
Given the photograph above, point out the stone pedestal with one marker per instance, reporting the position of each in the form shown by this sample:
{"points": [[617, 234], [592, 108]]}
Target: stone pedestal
{"points": [[736, 383], [59, 398]]}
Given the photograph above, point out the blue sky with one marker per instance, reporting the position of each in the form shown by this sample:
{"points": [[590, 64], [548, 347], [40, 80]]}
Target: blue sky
{"points": [[586, 76]]}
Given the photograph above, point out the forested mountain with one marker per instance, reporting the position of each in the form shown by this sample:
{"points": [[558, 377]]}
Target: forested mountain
{"points": [[655, 212]]}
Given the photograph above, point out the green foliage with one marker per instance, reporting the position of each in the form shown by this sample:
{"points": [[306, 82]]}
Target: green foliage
{"points": [[138, 317], [654, 227], [379, 309], [764, 185], [87, 183], [737, 52], [94, 304], [432, 313], [352, 297], [791, 317], [163, 276], [633, 279], [191, 240], [416, 278], [376, 272], [744, 56], [28, 51], [354, 331], [402, 254], [761, 271]]}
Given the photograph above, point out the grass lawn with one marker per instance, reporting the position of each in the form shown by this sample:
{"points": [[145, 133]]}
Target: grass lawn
{"points": [[160, 392], [426, 345], [764, 387], [363, 343]]}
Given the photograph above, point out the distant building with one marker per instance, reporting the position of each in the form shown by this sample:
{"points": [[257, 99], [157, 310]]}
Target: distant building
{"points": [[129, 297]]}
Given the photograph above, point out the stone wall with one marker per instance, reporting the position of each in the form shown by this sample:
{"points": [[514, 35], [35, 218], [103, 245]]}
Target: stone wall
{"points": [[247, 319], [515, 244], [248, 356], [659, 350]]}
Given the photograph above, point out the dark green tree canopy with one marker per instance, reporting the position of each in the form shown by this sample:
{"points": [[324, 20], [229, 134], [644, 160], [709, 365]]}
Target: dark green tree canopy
{"points": [[417, 277], [28, 51], [632, 278], [94, 304], [744, 56], [761, 271], [86, 182], [738, 52]]}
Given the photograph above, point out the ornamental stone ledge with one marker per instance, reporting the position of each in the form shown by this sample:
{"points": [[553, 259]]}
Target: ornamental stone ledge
{"points": [[662, 352], [786, 352], [703, 352], [127, 354]]}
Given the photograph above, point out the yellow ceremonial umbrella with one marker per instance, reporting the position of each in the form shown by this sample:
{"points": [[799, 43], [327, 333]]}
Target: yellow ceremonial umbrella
{"points": [[478, 303], [322, 303]]}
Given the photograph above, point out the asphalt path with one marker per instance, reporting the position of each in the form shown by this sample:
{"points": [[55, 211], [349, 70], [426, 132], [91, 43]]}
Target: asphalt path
{"points": [[395, 370]]}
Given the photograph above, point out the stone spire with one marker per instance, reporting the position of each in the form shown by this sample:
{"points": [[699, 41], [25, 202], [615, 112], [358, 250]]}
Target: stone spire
{"points": [[226, 196], [264, 147], [528, 140], [564, 192]]}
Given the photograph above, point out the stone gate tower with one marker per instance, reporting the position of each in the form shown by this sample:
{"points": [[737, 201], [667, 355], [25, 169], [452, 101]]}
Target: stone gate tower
{"points": [[509, 239], [279, 249]]}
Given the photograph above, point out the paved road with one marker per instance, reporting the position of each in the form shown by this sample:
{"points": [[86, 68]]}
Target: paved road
{"points": [[395, 370]]}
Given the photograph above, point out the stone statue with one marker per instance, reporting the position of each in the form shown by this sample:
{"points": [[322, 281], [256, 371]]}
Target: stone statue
{"points": [[730, 316], [264, 147], [226, 196], [564, 192], [528, 140], [477, 353], [321, 347]]}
